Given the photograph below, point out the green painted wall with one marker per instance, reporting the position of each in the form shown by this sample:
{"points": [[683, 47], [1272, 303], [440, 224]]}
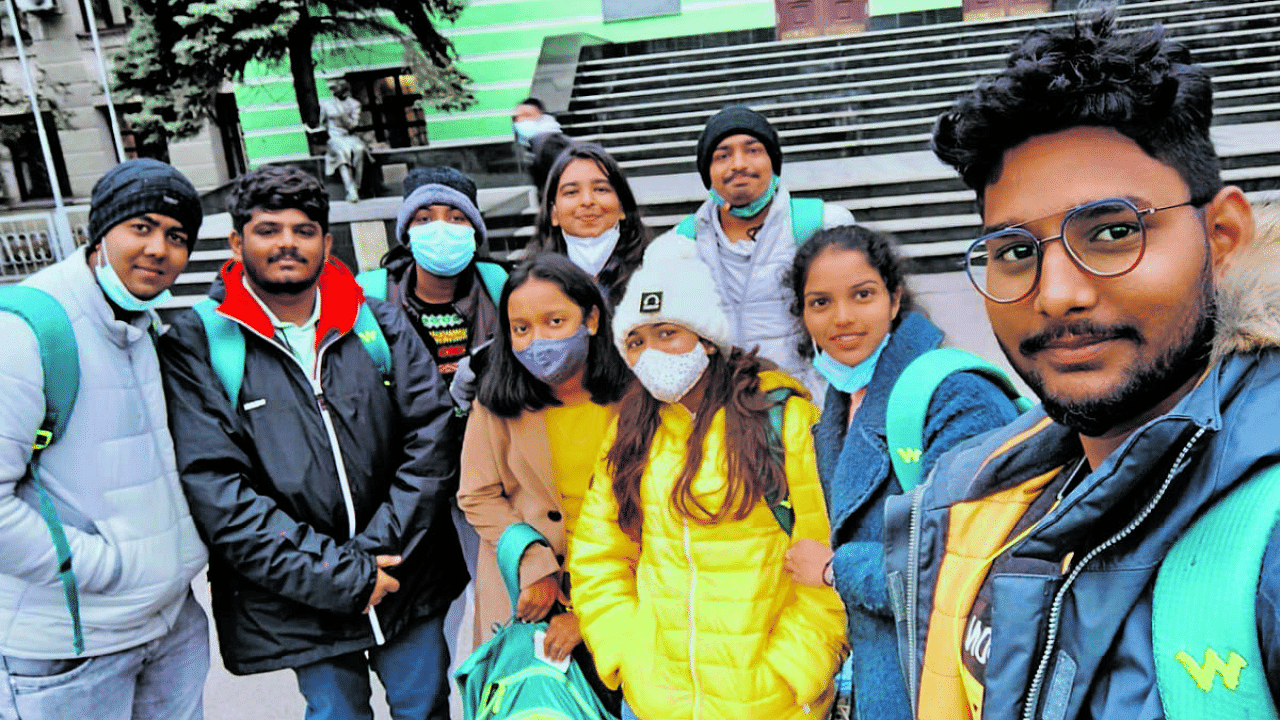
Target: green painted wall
{"points": [[894, 7], [498, 42]]}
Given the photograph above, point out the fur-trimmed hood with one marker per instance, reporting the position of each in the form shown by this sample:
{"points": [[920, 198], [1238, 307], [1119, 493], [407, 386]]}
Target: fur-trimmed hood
{"points": [[1248, 313]]}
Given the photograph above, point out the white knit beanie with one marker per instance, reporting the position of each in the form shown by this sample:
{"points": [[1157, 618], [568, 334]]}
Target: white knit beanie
{"points": [[672, 286]]}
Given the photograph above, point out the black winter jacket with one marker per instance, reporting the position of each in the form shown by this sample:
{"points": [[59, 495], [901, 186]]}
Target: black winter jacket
{"points": [[290, 575]]}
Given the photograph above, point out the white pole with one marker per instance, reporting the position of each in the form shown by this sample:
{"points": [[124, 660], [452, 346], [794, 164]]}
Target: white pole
{"points": [[64, 243], [106, 84]]}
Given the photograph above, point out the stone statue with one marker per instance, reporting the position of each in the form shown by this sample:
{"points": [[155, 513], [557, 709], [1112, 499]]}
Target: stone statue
{"points": [[346, 152]]}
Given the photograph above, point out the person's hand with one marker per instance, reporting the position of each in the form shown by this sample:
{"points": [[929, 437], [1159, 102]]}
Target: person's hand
{"points": [[385, 583], [807, 560], [563, 635], [536, 600], [464, 386]]}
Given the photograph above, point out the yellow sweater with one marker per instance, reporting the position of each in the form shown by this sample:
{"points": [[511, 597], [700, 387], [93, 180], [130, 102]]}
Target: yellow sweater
{"points": [[703, 622]]}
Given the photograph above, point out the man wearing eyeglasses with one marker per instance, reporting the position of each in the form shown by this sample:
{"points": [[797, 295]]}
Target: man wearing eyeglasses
{"points": [[1033, 577]]}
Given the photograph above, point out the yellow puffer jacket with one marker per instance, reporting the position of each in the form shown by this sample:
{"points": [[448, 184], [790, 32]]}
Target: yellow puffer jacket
{"points": [[708, 625]]}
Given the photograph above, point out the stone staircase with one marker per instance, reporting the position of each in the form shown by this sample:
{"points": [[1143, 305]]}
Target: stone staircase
{"points": [[855, 112]]}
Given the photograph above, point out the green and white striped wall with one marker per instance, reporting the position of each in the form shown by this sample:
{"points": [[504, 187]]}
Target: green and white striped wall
{"points": [[497, 41]]}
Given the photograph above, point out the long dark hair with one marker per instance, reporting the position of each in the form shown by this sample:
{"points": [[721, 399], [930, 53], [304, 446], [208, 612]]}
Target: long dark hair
{"points": [[507, 388], [882, 254], [634, 236], [733, 383]]}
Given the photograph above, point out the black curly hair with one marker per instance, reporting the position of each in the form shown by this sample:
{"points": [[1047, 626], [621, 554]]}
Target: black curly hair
{"points": [[277, 187], [1140, 83], [882, 254]]}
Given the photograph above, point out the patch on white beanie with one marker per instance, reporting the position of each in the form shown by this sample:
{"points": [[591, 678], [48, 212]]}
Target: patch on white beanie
{"points": [[672, 286]]}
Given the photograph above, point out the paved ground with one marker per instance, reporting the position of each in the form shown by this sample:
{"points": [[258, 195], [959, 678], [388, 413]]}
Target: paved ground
{"points": [[948, 298]]}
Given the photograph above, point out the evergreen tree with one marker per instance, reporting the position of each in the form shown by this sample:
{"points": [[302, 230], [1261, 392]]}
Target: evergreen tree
{"points": [[180, 52]]}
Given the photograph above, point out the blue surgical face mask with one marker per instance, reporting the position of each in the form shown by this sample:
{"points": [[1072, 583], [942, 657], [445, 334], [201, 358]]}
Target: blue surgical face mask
{"points": [[554, 360], [443, 249], [116, 291], [751, 209], [845, 378]]}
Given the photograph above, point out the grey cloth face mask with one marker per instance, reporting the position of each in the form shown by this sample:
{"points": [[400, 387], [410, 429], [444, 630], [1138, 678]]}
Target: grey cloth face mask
{"points": [[554, 360]]}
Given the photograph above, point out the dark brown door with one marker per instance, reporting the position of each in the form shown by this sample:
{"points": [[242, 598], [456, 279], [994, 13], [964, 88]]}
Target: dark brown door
{"points": [[810, 18]]}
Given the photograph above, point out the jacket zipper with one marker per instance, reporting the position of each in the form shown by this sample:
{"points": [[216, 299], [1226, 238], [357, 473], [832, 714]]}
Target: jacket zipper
{"points": [[1055, 610], [913, 579], [693, 581], [313, 378]]}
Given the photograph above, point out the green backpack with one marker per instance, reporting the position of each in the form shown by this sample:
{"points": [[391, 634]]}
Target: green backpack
{"points": [[60, 360], [909, 404], [1203, 614], [227, 348], [492, 275], [504, 679], [806, 219]]}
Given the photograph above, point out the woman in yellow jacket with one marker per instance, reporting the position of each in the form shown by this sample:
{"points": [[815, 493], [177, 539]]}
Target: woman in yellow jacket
{"points": [[678, 557]]}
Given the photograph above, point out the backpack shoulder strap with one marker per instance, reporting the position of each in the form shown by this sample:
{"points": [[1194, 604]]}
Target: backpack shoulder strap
{"points": [[370, 334], [806, 218], [226, 347], [59, 354], [688, 227], [511, 546], [494, 276], [60, 364], [909, 405], [374, 283], [1203, 619], [779, 503]]}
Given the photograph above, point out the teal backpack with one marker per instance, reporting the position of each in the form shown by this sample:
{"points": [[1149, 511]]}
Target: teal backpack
{"points": [[227, 348], [909, 404], [60, 362], [492, 275], [504, 679], [1203, 615], [806, 219], [779, 503]]}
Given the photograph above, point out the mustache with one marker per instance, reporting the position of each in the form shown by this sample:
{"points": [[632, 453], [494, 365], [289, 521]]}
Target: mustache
{"points": [[289, 253], [1079, 328], [741, 173]]}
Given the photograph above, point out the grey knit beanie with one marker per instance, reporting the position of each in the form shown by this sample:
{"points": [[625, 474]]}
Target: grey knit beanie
{"points": [[140, 186], [436, 194]]}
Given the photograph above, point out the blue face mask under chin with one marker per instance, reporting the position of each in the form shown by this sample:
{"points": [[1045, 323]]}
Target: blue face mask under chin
{"points": [[752, 208], [116, 291], [844, 377], [443, 249]]}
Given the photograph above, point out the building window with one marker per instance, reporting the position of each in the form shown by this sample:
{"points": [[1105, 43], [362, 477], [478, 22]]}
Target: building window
{"points": [[18, 134], [391, 109], [156, 148], [109, 14], [632, 9]]}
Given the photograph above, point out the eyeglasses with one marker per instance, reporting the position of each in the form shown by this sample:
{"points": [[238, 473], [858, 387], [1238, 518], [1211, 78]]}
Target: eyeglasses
{"points": [[1105, 238]]}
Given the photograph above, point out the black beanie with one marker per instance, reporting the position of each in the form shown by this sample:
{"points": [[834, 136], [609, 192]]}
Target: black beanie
{"points": [[440, 175], [732, 120], [140, 186]]}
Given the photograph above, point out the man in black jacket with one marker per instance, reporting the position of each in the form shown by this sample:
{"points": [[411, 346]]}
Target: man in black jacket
{"points": [[320, 486]]}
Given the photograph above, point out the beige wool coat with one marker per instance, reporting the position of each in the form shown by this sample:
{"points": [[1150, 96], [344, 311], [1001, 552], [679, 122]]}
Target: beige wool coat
{"points": [[507, 478]]}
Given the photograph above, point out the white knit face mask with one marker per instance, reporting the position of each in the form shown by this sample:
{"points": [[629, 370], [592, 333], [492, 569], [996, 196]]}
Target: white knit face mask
{"points": [[668, 377]]}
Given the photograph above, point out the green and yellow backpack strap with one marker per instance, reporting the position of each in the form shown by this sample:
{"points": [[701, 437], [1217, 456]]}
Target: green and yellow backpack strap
{"points": [[779, 503], [806, 219], [1203, 615], [492, 275], [227, 346], [909, 405], [60, 363], [374, 283]]}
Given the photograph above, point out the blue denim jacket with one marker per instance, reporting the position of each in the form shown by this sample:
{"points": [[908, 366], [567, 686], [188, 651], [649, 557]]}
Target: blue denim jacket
{"points": [[857, 478]]}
